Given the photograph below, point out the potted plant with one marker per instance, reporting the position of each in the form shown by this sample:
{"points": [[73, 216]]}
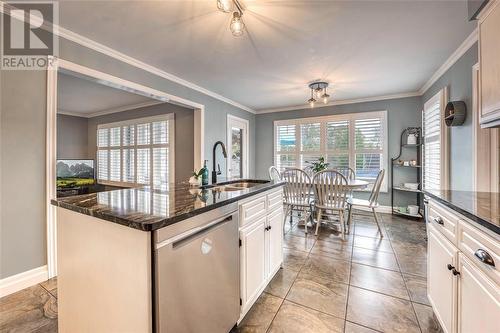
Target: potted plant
{"points": [[318, 165], [195, 179]]}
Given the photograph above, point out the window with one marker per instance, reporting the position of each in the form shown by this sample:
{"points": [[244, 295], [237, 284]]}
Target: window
{"points": [[355, 140], [138, 151], [237, 147], [434, 172]]}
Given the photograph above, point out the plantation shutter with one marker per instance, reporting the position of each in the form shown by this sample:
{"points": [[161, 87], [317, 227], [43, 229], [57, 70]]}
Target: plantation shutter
{"points": [[286, 146], [432, 143], [368, 137], [337, 143], [136, 152]]}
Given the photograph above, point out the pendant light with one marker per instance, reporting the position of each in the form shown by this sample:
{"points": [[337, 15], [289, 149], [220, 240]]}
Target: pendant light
{"points": [[225, 6], [237, 26], [318, 89]]}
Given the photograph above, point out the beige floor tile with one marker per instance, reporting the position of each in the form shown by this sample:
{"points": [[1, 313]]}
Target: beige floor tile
{"points": [[417, 287], [261, 314], [293, 259], [293, 318], [320, 294], [281, 282], [379, 280], [381, 312], [427, 319], [299, 243], [354, 328], [369, 231], [375, 258], [375, 244], [28, 310], [327, 268], [413, 264], [336, 250]]}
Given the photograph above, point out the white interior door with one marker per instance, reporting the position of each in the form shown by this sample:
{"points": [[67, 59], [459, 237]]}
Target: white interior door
{"points": [[237, 147]]}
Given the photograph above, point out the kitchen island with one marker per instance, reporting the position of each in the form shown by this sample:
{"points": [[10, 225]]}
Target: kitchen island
{"points": [[185, 259], [463, 265]]}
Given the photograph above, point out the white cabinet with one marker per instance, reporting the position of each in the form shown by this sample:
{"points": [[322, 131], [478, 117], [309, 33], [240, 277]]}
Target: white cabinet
{"points": [[275, 240], [252, 260], [462, 286], [489, 62], [479, 300], [261, 240], [441, 283]]}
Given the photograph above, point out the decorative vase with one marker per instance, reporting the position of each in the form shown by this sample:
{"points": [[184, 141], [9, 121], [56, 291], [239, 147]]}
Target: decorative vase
{"points": [[193, 181]]}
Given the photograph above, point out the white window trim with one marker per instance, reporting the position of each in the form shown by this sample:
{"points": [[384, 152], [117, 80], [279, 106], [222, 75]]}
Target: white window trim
{"points": [[351, 117], [442, 97], [246, 136], [170, 117]]}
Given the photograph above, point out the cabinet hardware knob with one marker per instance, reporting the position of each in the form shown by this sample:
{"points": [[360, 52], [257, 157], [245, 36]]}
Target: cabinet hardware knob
{"points": [[270, 227], [455, 272], [439, 220], [485, 257], [450, 267], [426, 201]]}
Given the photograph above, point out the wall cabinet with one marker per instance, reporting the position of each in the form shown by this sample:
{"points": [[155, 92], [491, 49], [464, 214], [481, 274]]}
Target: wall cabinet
{"points": [[489, 62], [463, 290], [261, 240]]}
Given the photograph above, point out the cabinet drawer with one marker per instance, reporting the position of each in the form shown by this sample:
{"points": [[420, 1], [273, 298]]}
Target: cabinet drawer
{"points": [[444, 221], [476, 244], [252, 210], [275, 201]]}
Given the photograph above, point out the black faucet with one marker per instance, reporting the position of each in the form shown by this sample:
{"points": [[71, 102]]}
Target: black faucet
{"points": [[215, 173]]}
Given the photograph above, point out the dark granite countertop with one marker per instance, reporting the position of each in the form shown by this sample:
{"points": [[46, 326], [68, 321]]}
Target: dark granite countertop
{"points": [[480, 207], [147, 210]]}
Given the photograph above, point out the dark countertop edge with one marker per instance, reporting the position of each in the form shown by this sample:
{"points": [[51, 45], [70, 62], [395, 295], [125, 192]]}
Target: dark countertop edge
{"points": [[162, 222], [485, 223]]}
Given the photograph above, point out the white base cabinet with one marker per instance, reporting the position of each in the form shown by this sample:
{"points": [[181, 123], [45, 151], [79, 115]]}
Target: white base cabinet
{"points": [[261, 245], [463, 289]]}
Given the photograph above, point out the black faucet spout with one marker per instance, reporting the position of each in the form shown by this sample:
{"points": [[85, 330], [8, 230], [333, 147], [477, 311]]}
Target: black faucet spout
{"points": [[214, 170]]}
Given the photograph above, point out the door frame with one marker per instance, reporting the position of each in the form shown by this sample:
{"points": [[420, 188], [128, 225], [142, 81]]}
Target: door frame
{"points": [[246, 146], [56, 65]]}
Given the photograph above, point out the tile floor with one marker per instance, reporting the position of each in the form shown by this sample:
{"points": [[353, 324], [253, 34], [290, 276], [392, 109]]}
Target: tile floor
{"points": [[362, 284]]}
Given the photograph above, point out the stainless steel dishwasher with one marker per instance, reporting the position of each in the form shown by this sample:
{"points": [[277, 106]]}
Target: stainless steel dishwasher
{"points": [[197, 273]]}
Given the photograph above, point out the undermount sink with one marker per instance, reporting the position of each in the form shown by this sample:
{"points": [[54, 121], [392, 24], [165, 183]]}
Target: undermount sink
{"points": [[236, 186]]}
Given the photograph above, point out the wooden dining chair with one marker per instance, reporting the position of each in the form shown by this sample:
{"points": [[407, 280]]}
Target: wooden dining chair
{"points": [[347, 172], [371, 203], [296, 194], [330, 195], [274, 174]]}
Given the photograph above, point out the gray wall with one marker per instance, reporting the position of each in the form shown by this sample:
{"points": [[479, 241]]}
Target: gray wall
{"points": [[184, 133], [401, 113], [22, 166], [72, 137], [458, 79]]}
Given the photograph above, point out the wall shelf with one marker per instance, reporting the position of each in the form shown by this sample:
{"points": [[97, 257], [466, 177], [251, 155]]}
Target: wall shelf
{"points": [[395, 165]]}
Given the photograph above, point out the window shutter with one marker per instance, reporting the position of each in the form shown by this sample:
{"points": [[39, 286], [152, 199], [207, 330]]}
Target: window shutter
{"points": [[368, 137], [337, 143], [286, 145], [432, 145]]}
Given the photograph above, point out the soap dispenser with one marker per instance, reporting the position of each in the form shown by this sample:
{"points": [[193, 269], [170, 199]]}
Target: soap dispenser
{"points": [[204, 174]]}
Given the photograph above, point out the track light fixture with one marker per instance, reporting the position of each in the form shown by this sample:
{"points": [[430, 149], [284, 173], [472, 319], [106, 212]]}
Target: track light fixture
{"points": [[236, 26], [318, 89]]}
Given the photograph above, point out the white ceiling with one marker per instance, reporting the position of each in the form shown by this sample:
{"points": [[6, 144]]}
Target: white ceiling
{"points": [[364, 48], [83, 97]]}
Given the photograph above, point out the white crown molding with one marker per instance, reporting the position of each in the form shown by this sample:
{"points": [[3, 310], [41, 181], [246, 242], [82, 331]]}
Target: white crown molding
{"points": [[341, 102], [23, 280], [453, 58], [109, 111], [93, 45]]}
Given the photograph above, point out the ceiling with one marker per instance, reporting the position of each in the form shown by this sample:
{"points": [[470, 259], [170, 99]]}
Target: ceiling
{"points": [[363, 48], [86, 98]]}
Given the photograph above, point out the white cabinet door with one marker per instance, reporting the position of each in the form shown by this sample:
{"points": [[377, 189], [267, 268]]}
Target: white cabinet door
{"points": [[275, 237], [479, 300], [441, 283], [253, 272]]}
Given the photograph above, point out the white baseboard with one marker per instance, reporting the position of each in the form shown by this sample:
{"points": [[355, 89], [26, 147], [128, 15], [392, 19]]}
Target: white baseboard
{"points": [[23, 280], [380, 209]]}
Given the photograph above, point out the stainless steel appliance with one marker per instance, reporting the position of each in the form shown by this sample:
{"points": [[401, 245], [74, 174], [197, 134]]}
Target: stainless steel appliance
{"points": [[197, 273]]}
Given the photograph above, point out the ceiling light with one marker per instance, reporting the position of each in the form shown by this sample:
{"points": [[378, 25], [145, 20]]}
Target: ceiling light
{"points": [[318, 89], [225, 6], [237, 26]]}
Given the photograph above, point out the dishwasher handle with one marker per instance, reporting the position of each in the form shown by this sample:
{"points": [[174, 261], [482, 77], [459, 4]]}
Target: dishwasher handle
{"points": [[185, 237]]}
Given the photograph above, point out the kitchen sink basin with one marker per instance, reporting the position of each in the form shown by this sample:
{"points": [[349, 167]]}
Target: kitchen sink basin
{"points": [[235, 186]]}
